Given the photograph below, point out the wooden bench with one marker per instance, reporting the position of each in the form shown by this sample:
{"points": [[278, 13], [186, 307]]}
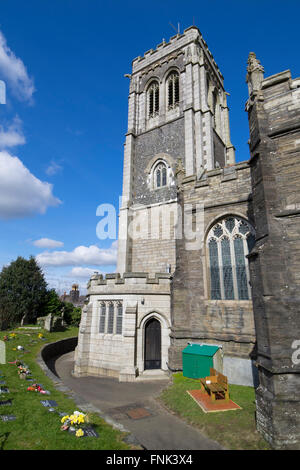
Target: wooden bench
{"points": [[216, 385]]}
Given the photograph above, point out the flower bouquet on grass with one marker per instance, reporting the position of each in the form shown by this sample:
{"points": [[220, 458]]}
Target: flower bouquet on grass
{"points": [[37, 388], [23, 371], [10, 336], [73, 423]]}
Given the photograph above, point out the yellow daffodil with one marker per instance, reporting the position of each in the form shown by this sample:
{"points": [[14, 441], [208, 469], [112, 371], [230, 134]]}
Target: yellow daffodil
{"points": [[79, 433], [80, 419], [64, 419]]}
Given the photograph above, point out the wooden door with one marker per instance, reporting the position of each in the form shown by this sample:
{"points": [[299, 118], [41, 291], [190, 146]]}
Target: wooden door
{"points": [[152, 344]]}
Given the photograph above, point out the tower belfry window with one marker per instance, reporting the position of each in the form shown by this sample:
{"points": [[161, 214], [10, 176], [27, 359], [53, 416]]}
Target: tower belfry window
{"points": [[173, 90], [153, 100]]}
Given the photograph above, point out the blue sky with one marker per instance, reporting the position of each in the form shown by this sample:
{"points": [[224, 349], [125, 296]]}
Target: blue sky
{"points": [[65, 117]]}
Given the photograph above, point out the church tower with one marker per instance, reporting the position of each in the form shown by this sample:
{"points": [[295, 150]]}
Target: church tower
{"points": [[178, 152], [177, 117]]}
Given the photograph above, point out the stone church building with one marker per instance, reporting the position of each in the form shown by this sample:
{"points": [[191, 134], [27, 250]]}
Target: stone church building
{"points": [[201, 256]]}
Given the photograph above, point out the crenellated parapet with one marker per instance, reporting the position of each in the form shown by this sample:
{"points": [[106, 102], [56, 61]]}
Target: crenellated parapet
{"points": [[129, 283], [221, 187], [191, 44]]}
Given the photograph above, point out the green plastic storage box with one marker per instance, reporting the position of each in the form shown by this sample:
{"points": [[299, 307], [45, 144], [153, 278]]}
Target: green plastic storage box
{"points": [[197, 359]]}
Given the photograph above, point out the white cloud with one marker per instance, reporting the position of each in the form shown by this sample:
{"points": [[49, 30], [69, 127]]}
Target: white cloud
{"points": [[81, 273], [13, 135], [64, 284], [53, 168], [81, 255], [21, 193], [14, 72], [47, 243]]}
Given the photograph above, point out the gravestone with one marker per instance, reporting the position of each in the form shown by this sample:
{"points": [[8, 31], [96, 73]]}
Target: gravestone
{"points": [[8, 417], [48, 322], [90, 432], [5, 403], [49, 403], [2, 352]]}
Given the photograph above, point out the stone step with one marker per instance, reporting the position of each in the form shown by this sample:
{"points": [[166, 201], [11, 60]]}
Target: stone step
{"points": [[154, 374]]}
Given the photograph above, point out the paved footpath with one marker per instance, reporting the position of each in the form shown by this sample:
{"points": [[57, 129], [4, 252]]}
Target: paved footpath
{"points": [[133, 406]]}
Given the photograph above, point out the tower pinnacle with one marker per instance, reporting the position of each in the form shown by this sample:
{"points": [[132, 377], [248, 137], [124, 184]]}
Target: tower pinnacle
{"points": [[255, 73]]}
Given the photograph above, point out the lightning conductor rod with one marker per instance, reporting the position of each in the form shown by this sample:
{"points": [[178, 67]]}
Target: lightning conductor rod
{"points": [[178, 29]]}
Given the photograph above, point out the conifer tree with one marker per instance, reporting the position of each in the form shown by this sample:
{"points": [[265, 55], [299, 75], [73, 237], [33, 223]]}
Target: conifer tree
{"points": [[23, 292]]}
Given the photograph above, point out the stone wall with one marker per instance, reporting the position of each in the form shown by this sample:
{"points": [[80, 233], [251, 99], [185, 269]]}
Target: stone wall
{"points": [[274, 117], [153, 247], [53, 350], [167, 139], [195, 317], [122, 355]]}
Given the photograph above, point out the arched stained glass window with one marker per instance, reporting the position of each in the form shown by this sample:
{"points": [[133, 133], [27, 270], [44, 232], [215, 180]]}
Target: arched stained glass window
{"points": [[229, 241], [160, 175]]}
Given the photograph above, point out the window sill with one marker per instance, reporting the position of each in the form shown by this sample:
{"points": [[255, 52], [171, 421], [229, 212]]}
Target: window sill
{"points": [[109, 335]]}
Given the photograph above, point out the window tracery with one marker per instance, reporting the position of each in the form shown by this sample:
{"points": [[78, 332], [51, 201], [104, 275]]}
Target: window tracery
{"points": [[229, 241], [160, 175], [111, 317]]}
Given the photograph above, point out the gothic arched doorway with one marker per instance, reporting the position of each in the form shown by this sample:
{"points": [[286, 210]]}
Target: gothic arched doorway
{"points": [[152, 344]]}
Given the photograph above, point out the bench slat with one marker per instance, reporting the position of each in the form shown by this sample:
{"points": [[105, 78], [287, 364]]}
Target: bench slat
{"points": [[219, 384]]}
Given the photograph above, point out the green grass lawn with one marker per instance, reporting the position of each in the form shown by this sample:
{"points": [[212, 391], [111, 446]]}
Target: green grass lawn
{"points": [[232, 429], [35, 427]]}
